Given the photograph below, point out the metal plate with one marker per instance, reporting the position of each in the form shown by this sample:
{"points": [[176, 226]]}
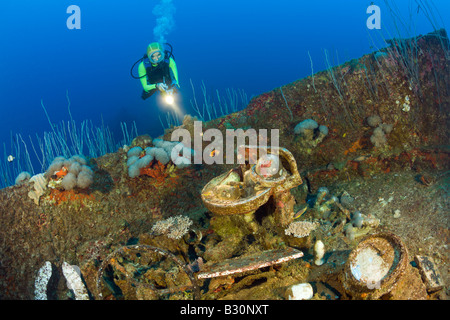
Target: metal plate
{"points": [[250, 262]]}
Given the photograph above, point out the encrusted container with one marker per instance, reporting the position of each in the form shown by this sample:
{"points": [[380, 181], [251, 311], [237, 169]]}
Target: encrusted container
{"points": [[289, 178], [375, 266]]}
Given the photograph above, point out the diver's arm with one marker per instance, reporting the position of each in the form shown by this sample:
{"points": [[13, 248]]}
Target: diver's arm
{"points": [[173, 67], [142, 75]]}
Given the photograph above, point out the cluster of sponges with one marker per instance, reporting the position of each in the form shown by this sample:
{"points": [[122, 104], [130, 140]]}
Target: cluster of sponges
{"points": [[163, 152], [310, 132], [69, 173], [378, 137], [324, 202], [359, 223], [173, 227]]}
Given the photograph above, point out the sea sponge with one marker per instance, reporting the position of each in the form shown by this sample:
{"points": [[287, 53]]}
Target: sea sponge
{"points": [[349, 231], [310, 132], [306, 127], [23, 177], [73, 164], [148, 150], [181, 156], [387, 128], [74, 167], [78, 158], [55, 166], [144, 161], [174, 149], [157, 142], [357, 219], [134, 170], [132, 160], [69, 181], [79, 174], [135, 163], [378, 137], [39, 185], [162, 151], [59, 158], [373, 121], [85, 177], [160, 154], [182, 162], [136, 151], [166, 145], [319, 253], [323, 130]]}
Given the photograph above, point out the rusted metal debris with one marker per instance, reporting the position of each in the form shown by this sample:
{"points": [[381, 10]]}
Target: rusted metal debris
{"points": [[430, 273], [248, 263], [112, 260]]}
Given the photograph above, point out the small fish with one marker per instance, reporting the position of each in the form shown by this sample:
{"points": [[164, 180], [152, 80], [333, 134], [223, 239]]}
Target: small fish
{"points": [[300, 212], [215, 152], [10, 158], [361, 158], [61, 173]]}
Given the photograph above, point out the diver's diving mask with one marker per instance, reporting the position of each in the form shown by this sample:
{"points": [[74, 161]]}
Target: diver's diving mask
{"points": [[155, 52]]}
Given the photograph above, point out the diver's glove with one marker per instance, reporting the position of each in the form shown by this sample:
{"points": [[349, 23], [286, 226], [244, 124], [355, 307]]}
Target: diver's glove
{"points": [[162, 86]]}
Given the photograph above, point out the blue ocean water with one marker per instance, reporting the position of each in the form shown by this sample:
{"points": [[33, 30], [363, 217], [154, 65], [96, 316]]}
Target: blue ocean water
{"points": [[251, 45]]}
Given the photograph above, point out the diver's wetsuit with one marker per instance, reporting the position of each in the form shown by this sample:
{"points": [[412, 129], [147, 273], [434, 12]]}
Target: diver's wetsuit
{"points": [[163, 72]]}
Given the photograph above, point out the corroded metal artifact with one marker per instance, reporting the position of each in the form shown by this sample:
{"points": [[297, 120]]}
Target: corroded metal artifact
{"points": [[244, 189], [375, 266]]}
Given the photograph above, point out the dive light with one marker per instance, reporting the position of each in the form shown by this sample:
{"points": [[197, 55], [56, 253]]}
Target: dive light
{"points": [[169, 97]]}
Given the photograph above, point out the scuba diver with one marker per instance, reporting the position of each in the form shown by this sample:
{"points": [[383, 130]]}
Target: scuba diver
{"points": [[158, 71]]}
